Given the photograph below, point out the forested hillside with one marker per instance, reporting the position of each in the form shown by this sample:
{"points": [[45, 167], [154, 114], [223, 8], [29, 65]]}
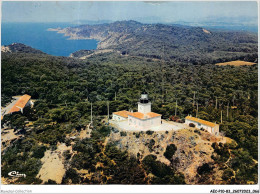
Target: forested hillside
{"points": [[20, 48], [65, 87], [192, 45]]}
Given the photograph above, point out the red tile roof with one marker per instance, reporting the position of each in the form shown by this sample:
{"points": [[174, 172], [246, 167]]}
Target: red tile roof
{"points": [[137, 115], [21, 102], [201, 121], [123, 113], [140, 115], [152, 114]]}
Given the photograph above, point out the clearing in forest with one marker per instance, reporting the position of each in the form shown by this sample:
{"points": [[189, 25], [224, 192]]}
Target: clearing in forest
{"points": [[236, 63], [53, 167]]}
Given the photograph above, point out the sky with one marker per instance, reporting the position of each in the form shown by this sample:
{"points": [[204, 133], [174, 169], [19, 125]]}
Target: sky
{"points": [[76, 11]]}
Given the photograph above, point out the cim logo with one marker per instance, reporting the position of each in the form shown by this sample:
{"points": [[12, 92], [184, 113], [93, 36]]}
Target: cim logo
{"points": [[16, 174]]}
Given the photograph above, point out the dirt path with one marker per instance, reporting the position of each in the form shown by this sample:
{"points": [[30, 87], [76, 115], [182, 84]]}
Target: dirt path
{"points": [[97, 52], [85, 133]]}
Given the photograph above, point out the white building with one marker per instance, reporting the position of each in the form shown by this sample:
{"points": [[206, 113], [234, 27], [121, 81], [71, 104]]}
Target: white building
{"points": [[17, 105], [143, 119], [21, 103], [199, 123]]}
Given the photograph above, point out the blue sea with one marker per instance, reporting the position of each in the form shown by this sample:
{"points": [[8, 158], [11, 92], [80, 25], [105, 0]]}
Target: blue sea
{"points": [[37, 36]]}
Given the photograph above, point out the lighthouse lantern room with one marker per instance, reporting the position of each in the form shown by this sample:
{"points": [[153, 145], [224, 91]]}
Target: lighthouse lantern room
{"points": [[144, 105]]}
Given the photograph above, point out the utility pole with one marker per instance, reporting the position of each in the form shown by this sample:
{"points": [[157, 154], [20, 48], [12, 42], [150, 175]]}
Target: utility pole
{"points": [[91, 114], [227, 109], [107, 111], [176, 108], [194, 98], [162, 66], [197, 112], [221, 117], [216, 102]]}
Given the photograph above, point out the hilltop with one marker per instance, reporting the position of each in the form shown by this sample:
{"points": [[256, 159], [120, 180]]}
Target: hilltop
{"points": [[191, 149], [170, 42]]}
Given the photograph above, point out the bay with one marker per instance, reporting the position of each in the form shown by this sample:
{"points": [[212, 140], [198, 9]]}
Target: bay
{"points": [[37, 36]]}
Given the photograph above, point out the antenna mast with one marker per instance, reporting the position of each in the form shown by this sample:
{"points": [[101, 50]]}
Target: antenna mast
{"points": [[107, 111], [194, 98], [176, 108], [162, 74], [197, 112], [227, 109], [91, 114]]}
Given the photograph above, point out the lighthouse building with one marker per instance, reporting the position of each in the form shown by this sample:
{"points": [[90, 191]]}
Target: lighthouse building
{"points": [[143, 119]]}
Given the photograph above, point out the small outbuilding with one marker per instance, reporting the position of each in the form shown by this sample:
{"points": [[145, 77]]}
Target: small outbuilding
{"points": [[200, 123], [21, 103]]}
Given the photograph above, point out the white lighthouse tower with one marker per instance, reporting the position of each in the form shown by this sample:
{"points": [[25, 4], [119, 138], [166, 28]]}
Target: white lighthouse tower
{"points": [[144, 119], [144, 105]]}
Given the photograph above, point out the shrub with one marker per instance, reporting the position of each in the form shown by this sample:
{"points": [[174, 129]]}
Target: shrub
{"points": [[39, 151], [149, 132], [197, 131], [174, 118], [129, 172], [72, 175], [181, 121], [53, 147], [214, 145], [67, 154], [205, 169], [232, 144], [221, 152], [227, 174], [170, 151], [163, 174], [191, 125], [149, 160], [50, 182], [115, 154], [105, 131], [151, 144], [115, 130], [67, 141], [122, 133]]}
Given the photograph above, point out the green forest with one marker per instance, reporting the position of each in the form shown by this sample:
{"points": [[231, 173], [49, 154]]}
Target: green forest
{"points": [[175, 43], [64, 89]]}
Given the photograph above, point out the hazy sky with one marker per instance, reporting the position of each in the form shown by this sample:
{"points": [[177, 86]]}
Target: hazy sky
{"points": [[59, 11]]}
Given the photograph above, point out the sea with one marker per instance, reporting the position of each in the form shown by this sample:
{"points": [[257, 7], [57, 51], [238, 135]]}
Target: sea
{"points": [[37, 36]]}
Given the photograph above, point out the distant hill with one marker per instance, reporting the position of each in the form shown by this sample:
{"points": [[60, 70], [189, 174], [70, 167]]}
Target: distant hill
{"points": [[170, 42], [20, 48]]}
